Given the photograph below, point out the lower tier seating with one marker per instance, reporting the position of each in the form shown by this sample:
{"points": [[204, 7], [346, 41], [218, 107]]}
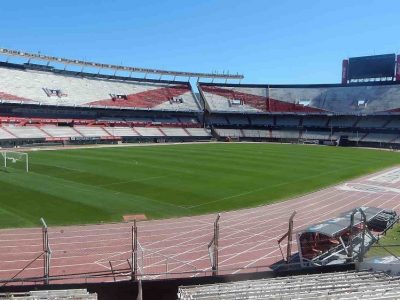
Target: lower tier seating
{"points": [[285, 134], [174, 132], [60, 131], [199, 132], [52, 132], [121, 131]]}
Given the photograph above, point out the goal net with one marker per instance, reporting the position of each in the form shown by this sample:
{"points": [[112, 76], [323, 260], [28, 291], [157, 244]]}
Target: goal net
{"points": [[15, 160]]}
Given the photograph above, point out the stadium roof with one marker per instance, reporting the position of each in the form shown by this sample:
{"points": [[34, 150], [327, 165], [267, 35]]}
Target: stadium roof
{"points": [[66, 61]]}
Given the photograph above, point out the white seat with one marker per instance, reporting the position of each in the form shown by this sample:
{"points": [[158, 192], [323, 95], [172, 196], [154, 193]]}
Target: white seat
{"points": [[149, 131], [24, 132]]}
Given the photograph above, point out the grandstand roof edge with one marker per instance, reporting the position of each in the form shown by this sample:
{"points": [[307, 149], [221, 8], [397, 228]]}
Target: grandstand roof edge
{"points": [[93, 75], [47, 58], [313, 85]]}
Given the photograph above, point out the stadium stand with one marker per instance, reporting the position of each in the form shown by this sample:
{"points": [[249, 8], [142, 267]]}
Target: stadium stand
{"points": [[393, 123], [285, 134], [355, 136], [235, 133], [91, 131], [148, 131], [261, 120], [6, 135], [366, 98], [340, 285], [46, 105], [249, 133], [217, 120], [26, 132], [63, 88], [288, 121], [315, 121], [176, 132], [372, 122], [121, 131], [238, 120], [342, 121], [188, 120], [316, 135], [199, 132], [60, 131], [381, 137], [52, 132]]}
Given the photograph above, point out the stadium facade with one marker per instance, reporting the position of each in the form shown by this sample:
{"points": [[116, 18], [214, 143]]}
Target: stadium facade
{"points": [[40, 103]]}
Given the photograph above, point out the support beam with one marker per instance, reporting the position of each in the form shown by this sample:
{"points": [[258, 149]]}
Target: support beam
{"points": [[134, 274], [46, 252]]}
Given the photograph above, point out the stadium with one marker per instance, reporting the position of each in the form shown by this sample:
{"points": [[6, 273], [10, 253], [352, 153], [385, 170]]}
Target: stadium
{"points": [[120, 178]]}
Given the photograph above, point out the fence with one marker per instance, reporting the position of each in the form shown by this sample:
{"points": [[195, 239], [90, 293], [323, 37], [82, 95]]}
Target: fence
{"points": [[117, 255], [120, 251]]}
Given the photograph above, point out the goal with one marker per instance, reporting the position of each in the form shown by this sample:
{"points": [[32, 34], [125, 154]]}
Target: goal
{"points": [[15, 160]]}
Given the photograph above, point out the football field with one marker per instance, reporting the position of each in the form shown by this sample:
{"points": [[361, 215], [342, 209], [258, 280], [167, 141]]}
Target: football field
{"points": [[103, 184]]}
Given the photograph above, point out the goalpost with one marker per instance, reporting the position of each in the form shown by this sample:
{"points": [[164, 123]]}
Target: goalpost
{"points": [[18, 160]]}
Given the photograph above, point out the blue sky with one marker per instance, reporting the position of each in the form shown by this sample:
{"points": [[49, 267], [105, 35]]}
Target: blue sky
{"points": [[285, 41]]}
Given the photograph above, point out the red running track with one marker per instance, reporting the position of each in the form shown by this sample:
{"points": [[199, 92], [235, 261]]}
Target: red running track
{"points": [[178, 247]]}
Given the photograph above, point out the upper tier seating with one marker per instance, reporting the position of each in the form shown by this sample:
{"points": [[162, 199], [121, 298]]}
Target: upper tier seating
{"points": [[39, 87], [233, 99], [328, 286], [349, 99], [342, 99]]}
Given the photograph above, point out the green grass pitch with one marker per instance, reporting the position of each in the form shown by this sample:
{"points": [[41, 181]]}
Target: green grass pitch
{"points": [[103, 184]]}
